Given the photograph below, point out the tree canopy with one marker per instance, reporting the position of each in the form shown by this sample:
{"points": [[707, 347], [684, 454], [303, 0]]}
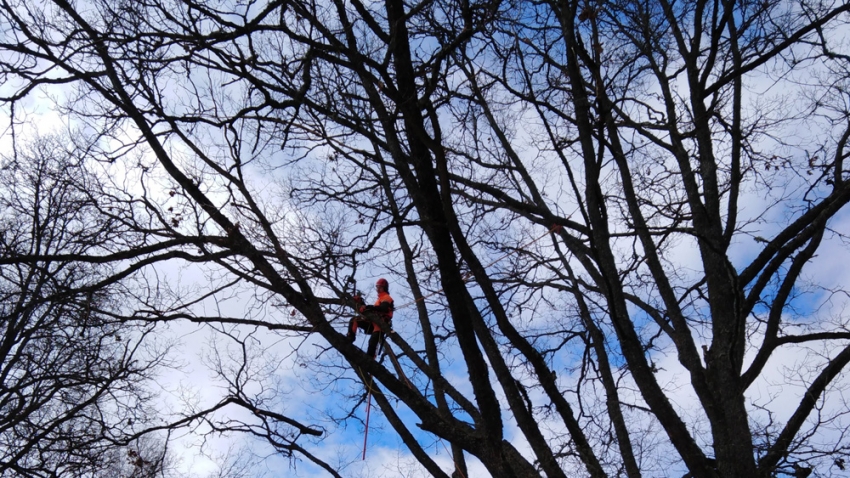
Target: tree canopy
{"points": [[613, 230]]}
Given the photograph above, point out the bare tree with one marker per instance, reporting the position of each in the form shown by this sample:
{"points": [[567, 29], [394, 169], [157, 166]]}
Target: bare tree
{"points": [[73, 377], [146, 457], [592, 194]]}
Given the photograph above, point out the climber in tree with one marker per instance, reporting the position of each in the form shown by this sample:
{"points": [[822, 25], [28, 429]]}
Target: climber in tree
{"points": [[374, 320]]}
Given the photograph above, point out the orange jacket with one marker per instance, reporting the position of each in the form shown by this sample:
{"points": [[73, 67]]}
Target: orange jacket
{"points": [[386, 311]]}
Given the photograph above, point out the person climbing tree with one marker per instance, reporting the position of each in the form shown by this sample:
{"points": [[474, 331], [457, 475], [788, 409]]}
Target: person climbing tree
{"points": [[374, 320]]}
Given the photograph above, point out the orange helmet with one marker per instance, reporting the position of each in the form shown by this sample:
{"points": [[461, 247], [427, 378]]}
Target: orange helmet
{"points": [[383, 283]]}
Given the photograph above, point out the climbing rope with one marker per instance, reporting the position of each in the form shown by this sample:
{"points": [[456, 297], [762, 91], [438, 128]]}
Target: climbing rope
{"points": [[368, 408], [385, 346], [368, 413]]}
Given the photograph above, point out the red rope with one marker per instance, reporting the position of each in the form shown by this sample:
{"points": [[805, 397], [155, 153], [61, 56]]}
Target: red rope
{"points": [[368, 413]]}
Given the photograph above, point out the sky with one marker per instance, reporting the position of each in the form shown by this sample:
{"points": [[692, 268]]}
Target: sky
{"points": [[197, 383]]}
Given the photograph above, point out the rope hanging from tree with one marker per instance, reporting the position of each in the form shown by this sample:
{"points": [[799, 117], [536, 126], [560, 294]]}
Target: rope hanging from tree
{"points": [[385, 346]]}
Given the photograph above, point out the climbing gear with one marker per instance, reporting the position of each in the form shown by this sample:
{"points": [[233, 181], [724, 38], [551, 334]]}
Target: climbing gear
{"points": [[371, 318]]}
